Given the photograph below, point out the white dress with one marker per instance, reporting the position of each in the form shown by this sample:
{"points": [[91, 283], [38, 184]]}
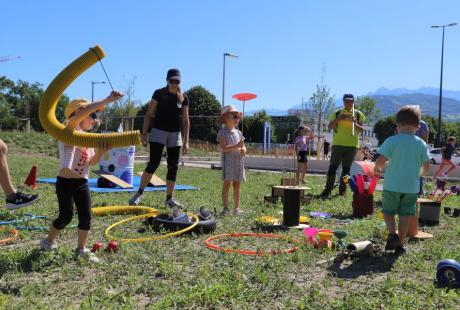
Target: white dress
{"points": [[232, 162]]}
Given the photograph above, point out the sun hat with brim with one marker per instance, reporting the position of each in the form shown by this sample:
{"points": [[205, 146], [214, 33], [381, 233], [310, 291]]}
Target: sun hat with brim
{"points": [[75, 105], [227, 110]]}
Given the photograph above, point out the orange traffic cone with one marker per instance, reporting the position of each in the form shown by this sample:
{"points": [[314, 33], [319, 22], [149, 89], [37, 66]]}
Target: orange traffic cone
{"points": [[32, 178]]}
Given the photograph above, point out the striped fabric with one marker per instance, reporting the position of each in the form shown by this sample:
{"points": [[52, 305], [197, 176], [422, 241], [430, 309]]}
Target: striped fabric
{"points": [[75, 158]]}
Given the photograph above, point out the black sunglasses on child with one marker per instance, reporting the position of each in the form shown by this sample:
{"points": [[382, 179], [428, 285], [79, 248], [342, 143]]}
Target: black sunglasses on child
{"points": [[234, 116], [174, 81]]}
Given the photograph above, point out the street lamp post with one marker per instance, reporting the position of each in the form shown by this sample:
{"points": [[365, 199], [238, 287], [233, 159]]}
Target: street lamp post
{"points": [[223, 76], [440, 84], [92, 88]]}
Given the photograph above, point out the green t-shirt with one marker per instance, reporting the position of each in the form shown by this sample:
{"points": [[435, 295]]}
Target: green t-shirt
{"points": [[406, 154], [343, 134]]}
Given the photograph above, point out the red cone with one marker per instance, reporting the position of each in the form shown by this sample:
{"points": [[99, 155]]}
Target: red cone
{"points": [[32, 178]]}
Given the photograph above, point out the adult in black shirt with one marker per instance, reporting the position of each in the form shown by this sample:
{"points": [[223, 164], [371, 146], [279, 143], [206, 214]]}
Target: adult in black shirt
{"points": [[169, 104], [447, 151]]}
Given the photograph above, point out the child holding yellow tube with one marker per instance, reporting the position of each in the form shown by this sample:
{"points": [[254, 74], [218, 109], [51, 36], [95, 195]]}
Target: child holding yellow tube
{"points": [[72, 181]]}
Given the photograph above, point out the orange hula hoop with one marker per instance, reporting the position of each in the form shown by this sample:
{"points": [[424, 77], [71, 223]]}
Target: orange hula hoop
{"points": [[215, 247], [13, 231]]}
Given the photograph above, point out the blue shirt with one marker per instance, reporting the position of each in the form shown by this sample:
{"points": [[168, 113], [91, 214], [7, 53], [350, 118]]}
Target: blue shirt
{"points": [[406, 154]]}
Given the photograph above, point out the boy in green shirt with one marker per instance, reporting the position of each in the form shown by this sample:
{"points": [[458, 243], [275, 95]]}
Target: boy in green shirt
{"points": [[408, 157]]}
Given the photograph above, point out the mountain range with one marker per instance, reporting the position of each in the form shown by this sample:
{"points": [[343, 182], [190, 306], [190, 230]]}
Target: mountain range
{"points": [[390, 100]]}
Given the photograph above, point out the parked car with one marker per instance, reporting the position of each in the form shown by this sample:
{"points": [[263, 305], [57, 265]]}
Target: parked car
{"points": [[436, 157]]}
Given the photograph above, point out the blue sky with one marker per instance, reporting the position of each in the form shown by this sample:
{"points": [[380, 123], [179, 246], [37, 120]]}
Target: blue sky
{"points": [[282, 45]]}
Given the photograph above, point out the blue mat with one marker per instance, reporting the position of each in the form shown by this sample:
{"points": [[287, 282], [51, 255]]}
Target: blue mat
{"points": [[136, 181]]}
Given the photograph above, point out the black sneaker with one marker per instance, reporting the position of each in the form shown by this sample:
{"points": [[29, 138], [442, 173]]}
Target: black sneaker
{"points": [[20, 200], [392, 242], [400, 250]]}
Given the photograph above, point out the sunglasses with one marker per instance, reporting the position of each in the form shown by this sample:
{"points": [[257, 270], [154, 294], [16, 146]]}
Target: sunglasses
{"points": [[174, 82], [93, 115], [234, 116]]}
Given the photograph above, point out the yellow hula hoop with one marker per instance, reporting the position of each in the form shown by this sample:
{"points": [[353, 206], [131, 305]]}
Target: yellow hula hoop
{"points": [[146, 239], [50, 99], [115, 210]]}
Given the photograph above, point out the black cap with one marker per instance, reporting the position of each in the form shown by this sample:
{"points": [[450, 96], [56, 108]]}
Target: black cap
{"points": [[173, 74], [348, 97]]}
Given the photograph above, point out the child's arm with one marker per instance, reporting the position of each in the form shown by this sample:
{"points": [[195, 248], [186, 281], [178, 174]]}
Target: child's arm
{"points": [[425, 168], [79, 116], [230, 148], [103, 148], [379, 164]]}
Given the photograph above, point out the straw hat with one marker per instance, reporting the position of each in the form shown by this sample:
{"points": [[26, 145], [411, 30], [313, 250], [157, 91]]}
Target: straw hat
{"points": [[75, 105], [228, 109]]}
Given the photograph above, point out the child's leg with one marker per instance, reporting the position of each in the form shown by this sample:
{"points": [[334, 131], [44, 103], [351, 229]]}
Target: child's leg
{"points": [[407, 209], [304, 171], [452, 167], [236, 194], [390, 202], [403, 228], [5, 178], [390, 222], [83, 203], [439, 170], [225, 188], [65, 202]]}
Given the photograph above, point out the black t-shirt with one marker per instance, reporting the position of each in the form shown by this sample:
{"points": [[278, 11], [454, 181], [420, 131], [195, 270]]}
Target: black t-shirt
{"points": [[448, 151], [169, 110]]}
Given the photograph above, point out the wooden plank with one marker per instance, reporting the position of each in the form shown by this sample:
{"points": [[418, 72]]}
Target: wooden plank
{"points": [[289, 181], [113, 179], [155, 180]]}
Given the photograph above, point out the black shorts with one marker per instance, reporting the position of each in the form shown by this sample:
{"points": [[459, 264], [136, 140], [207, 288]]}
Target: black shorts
{"points": [[302, 157]]}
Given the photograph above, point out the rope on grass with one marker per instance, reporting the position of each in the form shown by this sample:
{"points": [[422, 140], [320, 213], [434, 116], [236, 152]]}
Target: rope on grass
{"points": [[13, 232], [215, 247]]}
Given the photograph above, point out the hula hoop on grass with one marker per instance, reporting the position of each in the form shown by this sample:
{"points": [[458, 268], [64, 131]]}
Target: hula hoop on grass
{"points": [[145, 239], [26, 218], [115, 210], [214, 247], [13, 231]]}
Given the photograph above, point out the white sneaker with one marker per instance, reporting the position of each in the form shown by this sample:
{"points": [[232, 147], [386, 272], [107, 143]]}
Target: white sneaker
{"points": [[135, 200], [46, 246], [86, 254], [443, 175], [237, 211], [173, 203]]}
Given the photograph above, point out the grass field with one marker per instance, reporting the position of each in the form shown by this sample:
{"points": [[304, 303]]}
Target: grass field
{"points": [[182, 273]]}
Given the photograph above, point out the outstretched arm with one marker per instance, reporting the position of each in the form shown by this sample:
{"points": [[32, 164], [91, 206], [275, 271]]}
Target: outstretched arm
{"points": [[80, 115]]}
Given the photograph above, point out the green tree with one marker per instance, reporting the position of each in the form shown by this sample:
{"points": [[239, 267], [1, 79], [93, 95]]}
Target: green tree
{"points": [[204, 110], [254, 127], [124, 110], [367, 105], [385, 128]]}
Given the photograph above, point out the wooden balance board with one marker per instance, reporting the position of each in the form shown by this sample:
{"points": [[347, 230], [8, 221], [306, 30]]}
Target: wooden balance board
{"points": [[420, 235], [155, 181], [278, 191], [113, 179]]}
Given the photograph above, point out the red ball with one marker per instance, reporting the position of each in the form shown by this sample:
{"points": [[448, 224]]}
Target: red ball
{"points": [[112, 246], [97, 246]]}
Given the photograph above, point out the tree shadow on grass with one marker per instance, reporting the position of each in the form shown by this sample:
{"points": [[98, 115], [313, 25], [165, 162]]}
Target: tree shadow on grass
{"points": [[345, 268]]}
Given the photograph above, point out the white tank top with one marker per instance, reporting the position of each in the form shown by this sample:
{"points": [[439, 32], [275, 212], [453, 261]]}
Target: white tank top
{"points": [[75, 158]]}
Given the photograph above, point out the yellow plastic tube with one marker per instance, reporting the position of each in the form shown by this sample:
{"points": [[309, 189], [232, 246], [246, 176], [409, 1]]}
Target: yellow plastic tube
{"points": [[116, 210], [49, 102], [145, 239]]}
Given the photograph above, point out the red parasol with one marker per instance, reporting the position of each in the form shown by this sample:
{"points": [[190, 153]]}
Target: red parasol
{"points": [[244, 97]]}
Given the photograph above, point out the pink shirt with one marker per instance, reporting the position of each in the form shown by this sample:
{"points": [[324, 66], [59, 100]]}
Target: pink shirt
{"points": [[301, 143], [75, 158]]}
